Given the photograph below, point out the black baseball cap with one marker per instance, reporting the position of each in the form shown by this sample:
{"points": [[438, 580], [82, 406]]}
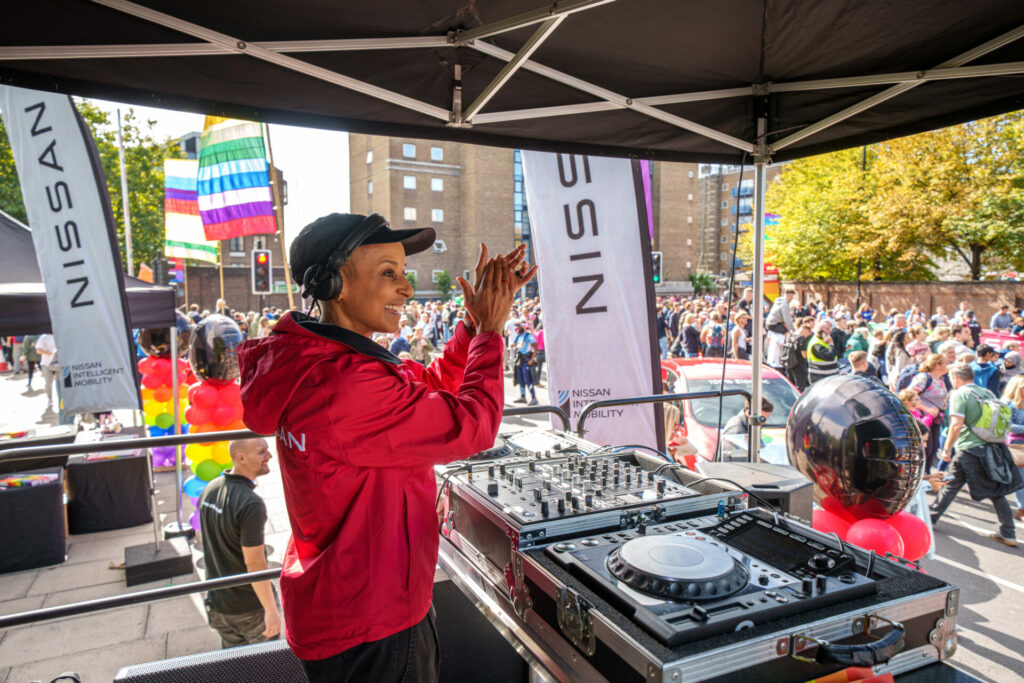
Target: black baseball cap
{"points": [[318, 241]]}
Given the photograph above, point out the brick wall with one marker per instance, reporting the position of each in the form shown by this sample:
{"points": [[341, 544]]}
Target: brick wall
{"points": [[983, 297]]}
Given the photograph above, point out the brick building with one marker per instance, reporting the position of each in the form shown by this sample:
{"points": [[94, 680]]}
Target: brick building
{"points": [[465, 192]]}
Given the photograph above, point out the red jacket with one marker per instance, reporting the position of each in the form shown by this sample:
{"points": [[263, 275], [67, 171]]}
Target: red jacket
{"points": [[358, 432]]}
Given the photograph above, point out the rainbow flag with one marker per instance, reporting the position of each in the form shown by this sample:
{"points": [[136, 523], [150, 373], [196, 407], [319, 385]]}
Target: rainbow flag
{"points": [[184, 237], [234, 180]]}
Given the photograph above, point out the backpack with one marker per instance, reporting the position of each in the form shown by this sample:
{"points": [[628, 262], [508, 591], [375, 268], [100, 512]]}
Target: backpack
{"points": [[906, 376], [996, 416], [789, 356], [716, 340]]}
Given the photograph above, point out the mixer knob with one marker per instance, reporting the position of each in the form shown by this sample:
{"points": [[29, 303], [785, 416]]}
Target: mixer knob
{"points": [[629, 477], [567, 496], [588, 500], [492, 488], [538, 494], [807, 586], [490, 471], [532, 466], [821, 562], [661, 486], [821, 583], [561, 505], [547, 485], [615, 480], [650, 476], [545, 509], [575, 481], [519, 482], [763, 579], [575, 502], [587, 486], [598, 493], [501, 469]]}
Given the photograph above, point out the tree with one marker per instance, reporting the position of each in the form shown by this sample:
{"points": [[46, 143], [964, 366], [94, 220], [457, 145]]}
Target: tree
{"points": [[410, 275], [444, 284], [899, 205], [702, 282], [144, 165], [956, 190]]}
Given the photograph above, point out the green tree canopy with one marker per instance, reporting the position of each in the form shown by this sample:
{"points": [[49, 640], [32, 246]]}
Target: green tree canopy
{"points": [[900, 205], [144, 164]]}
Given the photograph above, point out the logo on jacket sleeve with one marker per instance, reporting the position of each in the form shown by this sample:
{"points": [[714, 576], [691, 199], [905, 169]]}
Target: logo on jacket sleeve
{"points": [[298, 444]]}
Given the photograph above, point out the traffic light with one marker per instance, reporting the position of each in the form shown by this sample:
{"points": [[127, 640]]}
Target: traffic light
{"points": [[656, 267], [261, 271]]}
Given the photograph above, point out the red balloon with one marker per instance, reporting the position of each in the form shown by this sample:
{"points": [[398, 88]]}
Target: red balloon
{"points": [[152, 381], [161, 367], [145, 366], [206, 396], [230, 394], [826, 522], [836, 508], [196, 415], [875, 534], [192, 393], [223, 415], [917, 539]]}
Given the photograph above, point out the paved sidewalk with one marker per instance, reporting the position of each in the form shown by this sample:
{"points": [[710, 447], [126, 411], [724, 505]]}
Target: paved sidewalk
{"points": [[97, 645]]}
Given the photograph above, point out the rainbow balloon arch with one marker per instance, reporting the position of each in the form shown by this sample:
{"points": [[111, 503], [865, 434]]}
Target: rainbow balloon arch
{"points": [[208, 398]]}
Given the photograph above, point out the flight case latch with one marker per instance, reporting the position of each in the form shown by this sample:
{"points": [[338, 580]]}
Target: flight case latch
{"points": [[574, 620]]}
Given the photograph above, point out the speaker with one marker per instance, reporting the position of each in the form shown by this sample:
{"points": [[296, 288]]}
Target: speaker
{"points": [[781, 485]]}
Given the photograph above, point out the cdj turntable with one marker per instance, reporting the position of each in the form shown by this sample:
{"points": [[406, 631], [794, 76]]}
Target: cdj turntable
{"points": [[689, 580]]}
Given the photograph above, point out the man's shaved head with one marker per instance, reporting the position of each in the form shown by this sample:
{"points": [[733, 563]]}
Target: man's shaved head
{"points": [[250, 457]]}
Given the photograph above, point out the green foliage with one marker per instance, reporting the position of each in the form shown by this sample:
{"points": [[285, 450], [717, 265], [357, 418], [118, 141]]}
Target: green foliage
{"points": [[906, 203], [444, 284], [702, 282], [411, 277], [144, 165]]}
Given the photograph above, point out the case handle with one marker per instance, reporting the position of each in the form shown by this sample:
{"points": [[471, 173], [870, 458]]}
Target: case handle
{"points": [[870, 654]]}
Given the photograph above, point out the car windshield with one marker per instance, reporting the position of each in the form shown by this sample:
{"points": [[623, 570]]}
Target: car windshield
{"points": [[705, 410]]}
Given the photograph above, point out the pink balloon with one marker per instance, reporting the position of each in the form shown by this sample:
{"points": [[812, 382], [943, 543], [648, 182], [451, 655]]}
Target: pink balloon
{"points": [[914, 532], [827, 523], [833, 505], [875, 534], [206, 396], [224, 414]]}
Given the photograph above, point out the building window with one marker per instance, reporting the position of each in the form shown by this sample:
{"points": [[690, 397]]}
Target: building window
{"points": [[436, 154], [434, 274], [691, 174], [689, 219], [412, 272], [687, 264], [409, 213], [689, 243], [236, 245], [465, 276], [369, 157], [437, 184], [437, 215], [689, 197], [725, 257], [725, 186], [369, 187], [725, 221], [409, 151], [725, 205], [724, 239], [409, 182]]}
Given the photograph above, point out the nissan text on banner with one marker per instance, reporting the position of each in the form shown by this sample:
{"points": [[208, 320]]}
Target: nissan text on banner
{"points": [[590, 235], [72, 229]]}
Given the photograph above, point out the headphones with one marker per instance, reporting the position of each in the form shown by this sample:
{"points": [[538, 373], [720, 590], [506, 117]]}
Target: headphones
{"points": [[322, 281]]}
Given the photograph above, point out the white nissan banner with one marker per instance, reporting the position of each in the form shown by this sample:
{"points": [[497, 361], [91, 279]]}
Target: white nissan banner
{"points": [[68, 209], [590, 235]]}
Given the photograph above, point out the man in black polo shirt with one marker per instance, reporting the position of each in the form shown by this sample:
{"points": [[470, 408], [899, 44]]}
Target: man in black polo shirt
{"points": [[232, 516]]}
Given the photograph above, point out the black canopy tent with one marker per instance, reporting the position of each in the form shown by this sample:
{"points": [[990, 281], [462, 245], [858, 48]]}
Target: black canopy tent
{"points": [[729, 81], [23, 308]]}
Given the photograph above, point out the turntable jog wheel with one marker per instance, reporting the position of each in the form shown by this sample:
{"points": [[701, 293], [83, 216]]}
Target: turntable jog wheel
{"points": [[678, 567]]}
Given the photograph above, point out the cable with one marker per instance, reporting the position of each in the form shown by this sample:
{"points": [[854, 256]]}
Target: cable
{"points": [[444, 480], [720, 451], [646, 448], [871, 563], [691, 484]]}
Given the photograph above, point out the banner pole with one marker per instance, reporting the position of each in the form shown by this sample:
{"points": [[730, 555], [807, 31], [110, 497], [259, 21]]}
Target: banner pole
{"points": [[177, 425], [220, 269], [757, 305], [279, 215], [184, 275], [124, 198]]}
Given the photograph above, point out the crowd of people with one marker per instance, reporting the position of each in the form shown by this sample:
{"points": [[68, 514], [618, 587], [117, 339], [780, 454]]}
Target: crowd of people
{"points": [[938, 365]]}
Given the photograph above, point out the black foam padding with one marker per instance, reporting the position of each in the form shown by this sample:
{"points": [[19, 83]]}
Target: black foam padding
{"points": [[901, 585]]}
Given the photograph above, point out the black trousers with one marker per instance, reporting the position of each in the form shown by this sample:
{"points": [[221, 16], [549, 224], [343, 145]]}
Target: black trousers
{"points": [[409, 656]]}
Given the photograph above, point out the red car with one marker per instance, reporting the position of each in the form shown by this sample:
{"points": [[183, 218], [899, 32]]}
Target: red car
{"points": [[699, 420]]}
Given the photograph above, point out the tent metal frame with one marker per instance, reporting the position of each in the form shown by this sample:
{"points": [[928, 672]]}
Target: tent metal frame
{"points": [[549, 17]]}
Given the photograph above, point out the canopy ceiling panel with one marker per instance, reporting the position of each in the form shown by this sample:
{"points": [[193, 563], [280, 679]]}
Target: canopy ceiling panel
{"points": [[666, 79]]}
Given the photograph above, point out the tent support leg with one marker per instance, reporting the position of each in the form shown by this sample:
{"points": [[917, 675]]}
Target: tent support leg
{"points": [[761, 162]]}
